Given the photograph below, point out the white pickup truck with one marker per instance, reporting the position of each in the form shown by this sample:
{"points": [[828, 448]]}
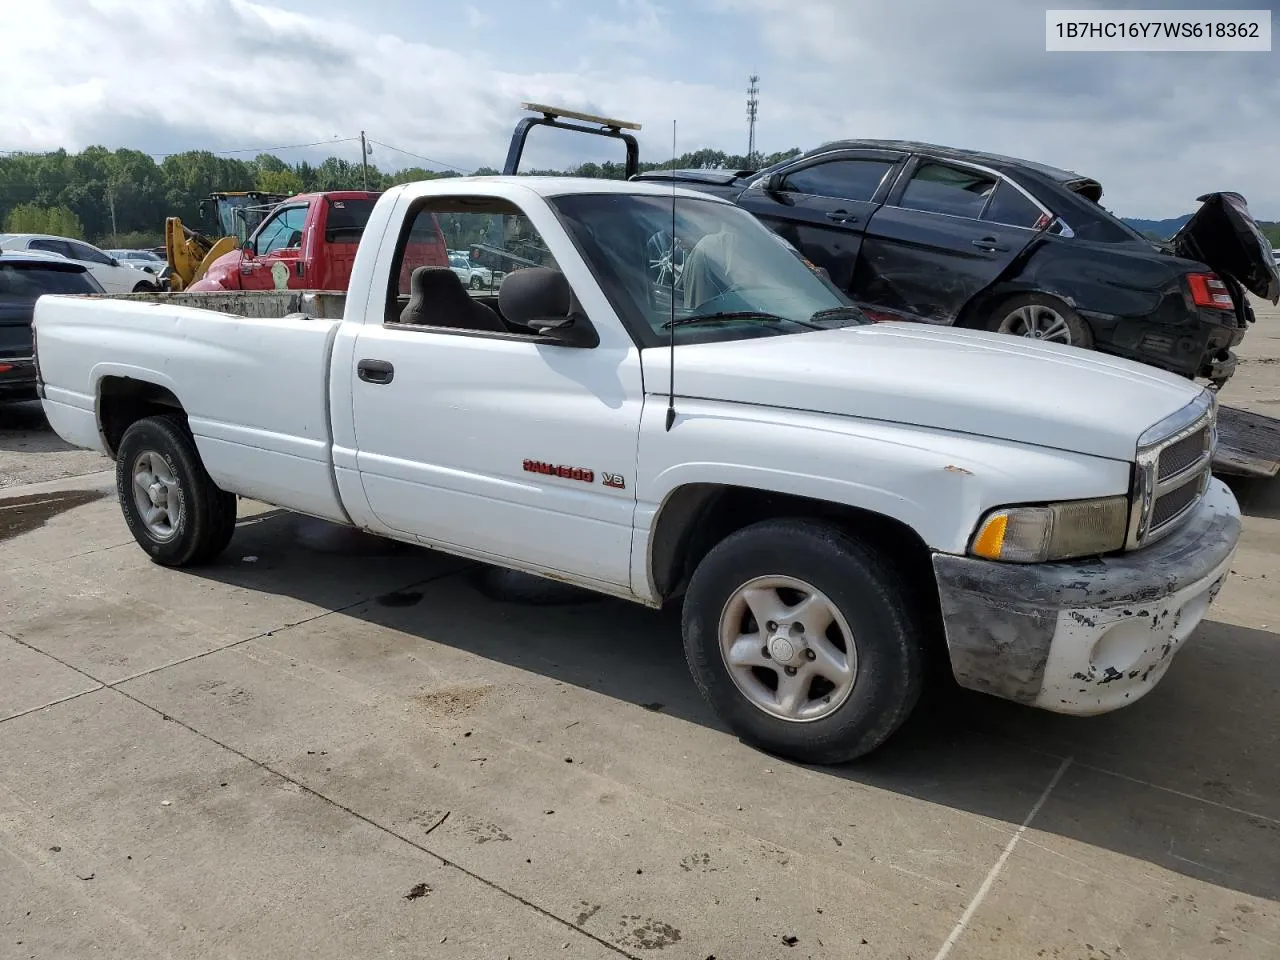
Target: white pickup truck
{"points": [[835, 500]]}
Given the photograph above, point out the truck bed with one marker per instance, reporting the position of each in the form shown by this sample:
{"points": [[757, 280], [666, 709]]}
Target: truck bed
{"points": [[260, 304], [251, 371]]}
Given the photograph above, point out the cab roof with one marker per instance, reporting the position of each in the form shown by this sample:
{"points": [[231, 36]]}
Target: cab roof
{"points": [[558, 186]]}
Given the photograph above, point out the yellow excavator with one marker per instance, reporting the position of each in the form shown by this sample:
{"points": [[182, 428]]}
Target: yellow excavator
{"points": [[231, 215]]}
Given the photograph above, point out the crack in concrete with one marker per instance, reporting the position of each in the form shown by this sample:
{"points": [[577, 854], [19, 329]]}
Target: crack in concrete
{"points": [[105, 685], [989, 881], [263, 765]]}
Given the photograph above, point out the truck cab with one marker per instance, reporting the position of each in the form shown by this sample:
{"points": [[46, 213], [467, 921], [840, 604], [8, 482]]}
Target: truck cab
{"points": [[308, 242]]}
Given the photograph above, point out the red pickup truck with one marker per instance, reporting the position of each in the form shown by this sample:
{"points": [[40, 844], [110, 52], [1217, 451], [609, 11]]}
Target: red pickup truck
{"points": [[309, 242]]}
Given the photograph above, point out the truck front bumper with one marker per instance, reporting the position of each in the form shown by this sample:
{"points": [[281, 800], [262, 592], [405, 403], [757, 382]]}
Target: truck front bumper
{"points": [[1088, 637]]}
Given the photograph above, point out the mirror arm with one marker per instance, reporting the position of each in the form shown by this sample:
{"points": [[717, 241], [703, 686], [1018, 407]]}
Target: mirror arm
{"points": [[573, 330]]}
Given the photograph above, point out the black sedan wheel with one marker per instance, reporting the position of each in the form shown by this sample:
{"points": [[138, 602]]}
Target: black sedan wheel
{"points": [[1039, 317]]}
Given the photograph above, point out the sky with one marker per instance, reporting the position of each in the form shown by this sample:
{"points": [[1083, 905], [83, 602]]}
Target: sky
{"points": [[442, 84]]}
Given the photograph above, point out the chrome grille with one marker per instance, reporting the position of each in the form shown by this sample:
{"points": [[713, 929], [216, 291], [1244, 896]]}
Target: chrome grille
{"points": [[1183, 454], [1174, 503], [1174, 465]]}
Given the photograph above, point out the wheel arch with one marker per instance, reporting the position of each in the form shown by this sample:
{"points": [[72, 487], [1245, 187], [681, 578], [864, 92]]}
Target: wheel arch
{"points": [[123, 398], [694, 517], [974, 313]]}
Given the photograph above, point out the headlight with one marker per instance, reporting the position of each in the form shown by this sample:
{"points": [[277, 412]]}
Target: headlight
{"points": [[1055, 531]]}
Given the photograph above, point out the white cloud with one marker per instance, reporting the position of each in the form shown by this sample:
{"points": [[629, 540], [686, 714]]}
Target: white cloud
{"points": [[263, 76], [638, 23], [1156, 129], [167, 75]]}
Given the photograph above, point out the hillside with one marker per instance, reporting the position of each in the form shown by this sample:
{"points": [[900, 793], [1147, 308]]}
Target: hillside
{"points": [[1164, 229], [1158, 228]]}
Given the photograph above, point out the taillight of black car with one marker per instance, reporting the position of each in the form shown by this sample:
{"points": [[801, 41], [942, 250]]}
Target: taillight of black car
{"points": [[1208, 290]]}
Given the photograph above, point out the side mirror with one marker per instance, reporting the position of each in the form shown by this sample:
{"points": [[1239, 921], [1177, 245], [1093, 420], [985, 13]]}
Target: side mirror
{"points": [[574, 330], [541, 299], [776, 183], [247, 247]]}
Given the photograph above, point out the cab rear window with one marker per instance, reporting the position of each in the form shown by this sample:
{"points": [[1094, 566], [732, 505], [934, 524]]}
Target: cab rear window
{"points": [[347, 220]]}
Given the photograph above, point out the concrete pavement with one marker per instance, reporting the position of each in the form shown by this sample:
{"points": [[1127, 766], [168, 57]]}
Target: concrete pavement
{"points": [[299, 752]]}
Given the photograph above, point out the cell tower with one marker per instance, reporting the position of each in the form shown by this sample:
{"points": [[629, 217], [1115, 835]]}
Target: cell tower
{"points": [[753, 109]]}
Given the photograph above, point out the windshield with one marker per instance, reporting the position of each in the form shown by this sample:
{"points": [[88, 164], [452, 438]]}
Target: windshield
{"points": [[726, 277]]}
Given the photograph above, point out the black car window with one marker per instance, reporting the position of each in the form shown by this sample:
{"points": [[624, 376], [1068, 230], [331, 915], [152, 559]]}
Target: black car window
{"points": [[82, 251], [50, 246], [27, 281], [1012, 207], [938, 188], [842, 179]]}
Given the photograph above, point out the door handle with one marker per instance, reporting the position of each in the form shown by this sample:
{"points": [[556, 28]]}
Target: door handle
{"points": [[990, 245], [375, 371], [842, 216]]}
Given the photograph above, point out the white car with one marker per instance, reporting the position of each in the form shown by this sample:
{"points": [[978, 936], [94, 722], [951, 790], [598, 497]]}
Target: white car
{"points": [[115, 276], [836, 502], [147, 260], [475, 277]]}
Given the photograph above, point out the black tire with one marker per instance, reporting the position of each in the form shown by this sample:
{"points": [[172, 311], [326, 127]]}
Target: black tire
{"points": [[1078, 328], [206, 515], [476, 282], [887, 633], [144, 288]]}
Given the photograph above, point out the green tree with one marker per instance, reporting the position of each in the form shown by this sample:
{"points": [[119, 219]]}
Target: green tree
{"points": [[279, 181], [29, 218], [100, 194]]}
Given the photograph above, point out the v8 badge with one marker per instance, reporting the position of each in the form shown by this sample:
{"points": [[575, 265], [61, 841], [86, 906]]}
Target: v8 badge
{"points": [[614, 480]]}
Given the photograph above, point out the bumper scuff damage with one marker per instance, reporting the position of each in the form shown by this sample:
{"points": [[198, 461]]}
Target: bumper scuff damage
{"points": [[1085, 638]]}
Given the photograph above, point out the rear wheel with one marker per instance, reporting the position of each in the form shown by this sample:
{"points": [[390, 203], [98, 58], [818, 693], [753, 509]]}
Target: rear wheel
{"points": [[1040, 317], [476, 281], [144, 288], [800, 638], [171, 505]]}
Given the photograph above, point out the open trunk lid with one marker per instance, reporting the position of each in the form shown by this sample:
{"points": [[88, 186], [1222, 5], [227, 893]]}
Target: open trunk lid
{"points": [[1223, 235]]}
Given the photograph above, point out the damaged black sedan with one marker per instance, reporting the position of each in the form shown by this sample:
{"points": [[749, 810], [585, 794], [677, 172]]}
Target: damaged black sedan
{"points": [[928, 233]]}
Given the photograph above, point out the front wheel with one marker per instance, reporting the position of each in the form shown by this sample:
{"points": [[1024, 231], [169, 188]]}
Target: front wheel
{"points": [[476, 282], [171, 505], [803, 641], [144, 288], [1040, 317]]}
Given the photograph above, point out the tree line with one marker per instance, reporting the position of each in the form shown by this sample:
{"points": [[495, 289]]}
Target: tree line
{"points": [[121, 198]]}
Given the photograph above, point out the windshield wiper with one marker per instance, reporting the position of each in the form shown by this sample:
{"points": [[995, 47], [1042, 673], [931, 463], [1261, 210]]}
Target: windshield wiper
{"points": [[838, 313], [728, 315]]}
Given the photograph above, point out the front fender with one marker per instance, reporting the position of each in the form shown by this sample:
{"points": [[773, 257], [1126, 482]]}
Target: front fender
{"points": [[937, 483]]}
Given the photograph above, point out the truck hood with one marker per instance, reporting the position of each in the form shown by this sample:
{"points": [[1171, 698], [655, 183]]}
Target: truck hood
{"points": [[1223, 235], [223, 274], [964, 381]]}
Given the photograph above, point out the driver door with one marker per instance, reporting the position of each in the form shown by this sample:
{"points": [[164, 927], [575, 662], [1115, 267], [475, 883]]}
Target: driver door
{"points": [[275, 249], [498, 444]]}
